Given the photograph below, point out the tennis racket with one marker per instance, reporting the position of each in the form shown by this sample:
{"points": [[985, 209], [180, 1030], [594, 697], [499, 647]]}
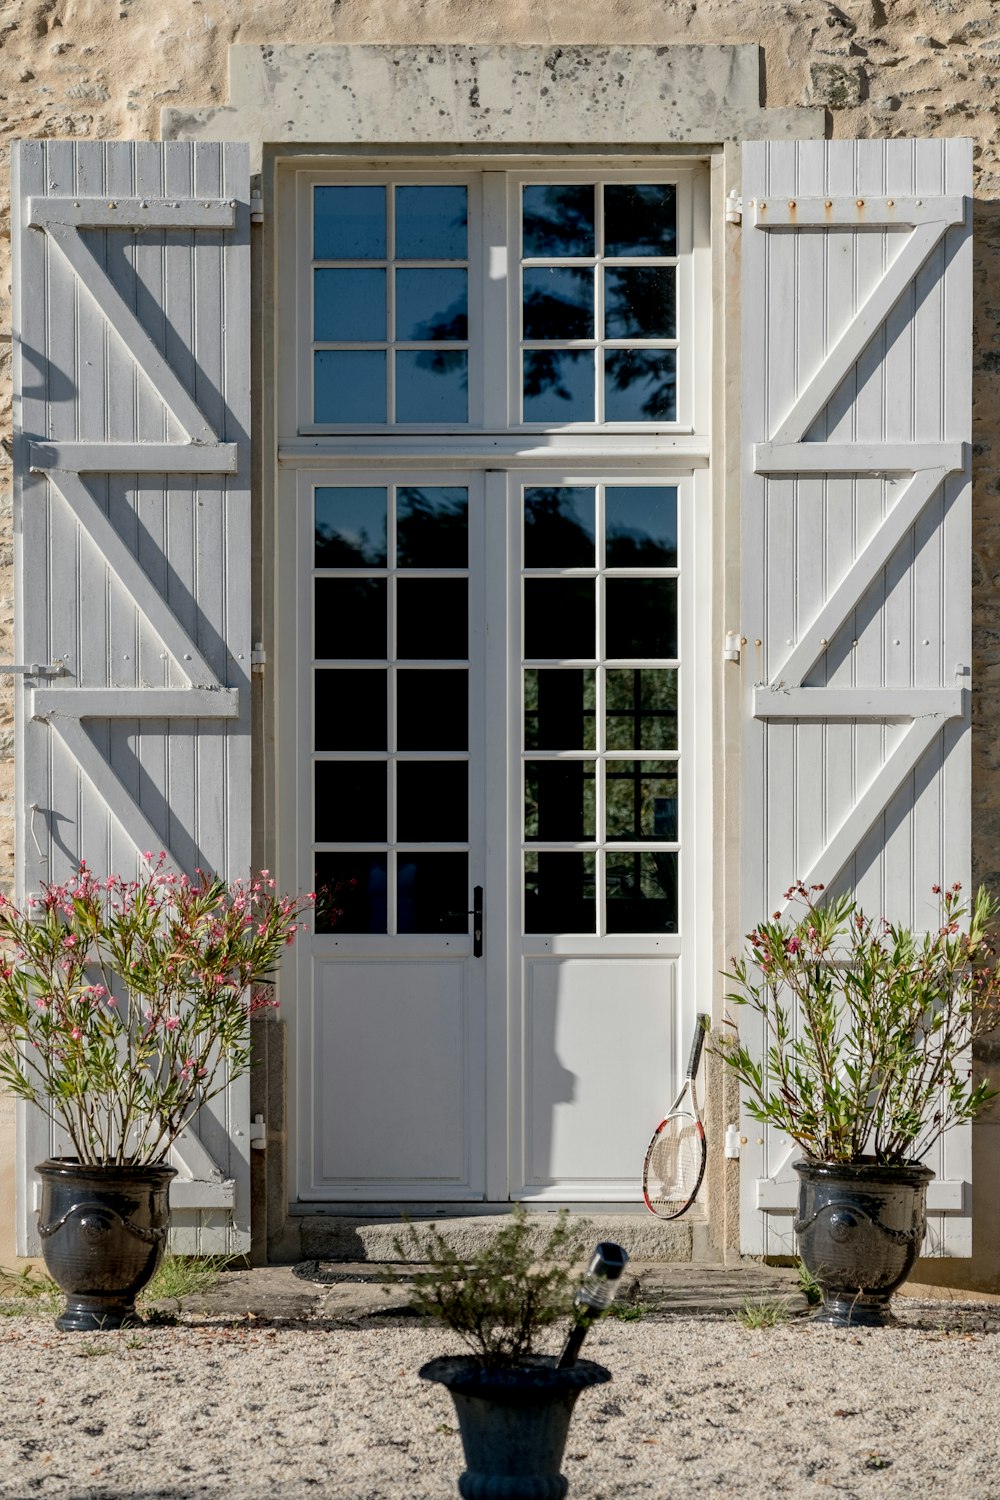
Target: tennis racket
{"points": [[675, 1160]]}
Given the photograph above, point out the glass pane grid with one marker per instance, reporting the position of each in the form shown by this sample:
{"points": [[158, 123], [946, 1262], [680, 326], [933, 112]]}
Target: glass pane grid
{"points": [[601, 824], [621, 370], [403, 369]]}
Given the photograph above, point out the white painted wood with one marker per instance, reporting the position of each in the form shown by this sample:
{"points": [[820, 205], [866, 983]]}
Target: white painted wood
{"points": [[855, 594], [132, 366]]}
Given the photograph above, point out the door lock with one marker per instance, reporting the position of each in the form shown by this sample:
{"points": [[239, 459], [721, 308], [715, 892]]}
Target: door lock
{"points": [[476, 914]]}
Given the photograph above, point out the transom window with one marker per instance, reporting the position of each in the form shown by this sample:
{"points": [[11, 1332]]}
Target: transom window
{"points": [[440, 303]]}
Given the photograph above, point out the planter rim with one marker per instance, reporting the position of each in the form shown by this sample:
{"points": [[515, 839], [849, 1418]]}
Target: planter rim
{"points": [[866, 1169], [70, 1167], [465, 1373]]}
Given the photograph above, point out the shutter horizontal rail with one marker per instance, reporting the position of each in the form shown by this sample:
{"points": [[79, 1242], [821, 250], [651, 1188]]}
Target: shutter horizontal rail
{"points": [[134, 458], [943, 1196], [133, 703], [862, 212], [133, 213], [857, 458], [891, 705]]}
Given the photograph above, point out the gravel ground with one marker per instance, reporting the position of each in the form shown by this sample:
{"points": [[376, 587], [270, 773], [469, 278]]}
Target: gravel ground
{"points": [[698, 1406]]}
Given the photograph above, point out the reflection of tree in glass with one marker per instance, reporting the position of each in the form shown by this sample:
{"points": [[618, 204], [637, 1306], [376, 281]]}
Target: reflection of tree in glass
{"points": [[346, 549], [628, 367], [554, 535], [640, 219], [432, 528], [559, 220], [543, 374], [641, 708], [558, 303], [637, 549], [450, 325]]}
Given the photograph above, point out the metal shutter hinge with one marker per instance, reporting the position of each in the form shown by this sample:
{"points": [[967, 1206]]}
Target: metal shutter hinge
{"points": [[733, 1142], [258, 659], [731, 650], [258, 1133], [35, 669], [256, 209], [734, 208]]}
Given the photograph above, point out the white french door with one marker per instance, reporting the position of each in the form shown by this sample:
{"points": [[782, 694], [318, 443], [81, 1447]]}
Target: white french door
{"points": [[493, 688]]}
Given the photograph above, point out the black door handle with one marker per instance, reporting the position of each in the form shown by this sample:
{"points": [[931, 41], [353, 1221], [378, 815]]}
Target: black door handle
{"points": [[477, 921]]}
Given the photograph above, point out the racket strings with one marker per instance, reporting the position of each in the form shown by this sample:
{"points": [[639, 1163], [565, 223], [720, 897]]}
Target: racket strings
{"points": [[675, 1163]]}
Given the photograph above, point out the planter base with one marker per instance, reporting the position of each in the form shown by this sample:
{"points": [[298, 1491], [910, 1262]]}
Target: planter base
{"points": [[514, 1423]]}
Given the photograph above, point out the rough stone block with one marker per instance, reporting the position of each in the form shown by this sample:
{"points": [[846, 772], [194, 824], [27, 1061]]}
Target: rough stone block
{"points": [[835, 86]]}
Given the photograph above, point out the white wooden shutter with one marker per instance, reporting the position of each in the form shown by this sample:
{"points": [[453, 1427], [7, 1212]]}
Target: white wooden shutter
{"points": [[855, 561], [132, 416]]}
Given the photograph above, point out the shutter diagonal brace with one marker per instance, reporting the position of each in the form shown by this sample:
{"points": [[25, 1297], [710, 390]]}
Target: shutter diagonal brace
{"points": [[784, 697]]}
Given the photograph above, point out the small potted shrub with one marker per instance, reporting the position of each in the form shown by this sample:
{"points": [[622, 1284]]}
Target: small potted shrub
{"points": [[866, 1061], [513, 1404], [125, 1006]]}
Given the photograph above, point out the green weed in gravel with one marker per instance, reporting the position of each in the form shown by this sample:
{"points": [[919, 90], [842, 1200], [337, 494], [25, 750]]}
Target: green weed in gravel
{"points": [[181, 1276], [762, 1312]]}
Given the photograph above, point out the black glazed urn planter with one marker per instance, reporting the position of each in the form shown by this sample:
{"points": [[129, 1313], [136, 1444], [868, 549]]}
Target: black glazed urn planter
{"points": [[860, 1227], [514, 1422], [103, 1232]]}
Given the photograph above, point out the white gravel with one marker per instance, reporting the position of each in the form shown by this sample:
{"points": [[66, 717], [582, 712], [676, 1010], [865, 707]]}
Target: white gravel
{"points": [[698, 1406]]}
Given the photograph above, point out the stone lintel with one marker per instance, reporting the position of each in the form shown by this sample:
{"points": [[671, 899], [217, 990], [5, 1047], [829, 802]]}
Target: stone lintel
{"points": [[492, 95]]}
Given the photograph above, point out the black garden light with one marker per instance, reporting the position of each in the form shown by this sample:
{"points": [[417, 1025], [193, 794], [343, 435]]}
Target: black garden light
{"points": [[597, 1292]]}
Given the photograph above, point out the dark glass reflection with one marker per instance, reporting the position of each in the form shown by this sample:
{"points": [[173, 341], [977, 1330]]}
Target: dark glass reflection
{"points": [[640, 523], [558, 303], [350, 709], [559, 800], [640, 218], [350, 526], [432, 526], [640, 302], [350, 618], [350, 893], [349, 385], [431, 304], [432, 892], [349, 223], [432, 801], [558, 618], [557, 220], [641, 891], [351, 805], [559, 892], [641, 799], [432, 385], [641, 708], [558, 385], [349, 305], [431, 222], [641, 617], [432, 618], [640, 385], [559, 527], [560, 708], [432, 710]]}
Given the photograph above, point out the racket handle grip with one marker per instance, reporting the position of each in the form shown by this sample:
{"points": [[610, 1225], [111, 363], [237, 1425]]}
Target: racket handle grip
{"points": [[696, 1046]]}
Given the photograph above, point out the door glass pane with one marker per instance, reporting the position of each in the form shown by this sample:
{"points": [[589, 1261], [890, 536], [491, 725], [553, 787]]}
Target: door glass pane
{"points": [[350, 526], [641, 617], [350, 893], [559, 527], [559, 892], [640, 385], [351, 805], [640, 218], [559, 800], [431, 222], [348, 305], [557, 221], [350, 618], [349, 223], [559, 618], [432, 385], [560, 708], [432, 710], [350, 710], [641, 704], [432, 304], [432, 527], [558, 303], [640, 302], [432, 801], [432, 619], [558, 385], [641, 799], [640, 526], [642, 891], [432, 892], [349, 385]]}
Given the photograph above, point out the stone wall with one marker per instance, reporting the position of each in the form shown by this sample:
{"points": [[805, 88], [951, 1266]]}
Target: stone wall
{"points": [[104, 69]]}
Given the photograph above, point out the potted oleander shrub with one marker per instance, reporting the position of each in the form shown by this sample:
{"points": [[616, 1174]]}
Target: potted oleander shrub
{"points": [[513, 1403], [125, 1006], [864, 1059]]}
